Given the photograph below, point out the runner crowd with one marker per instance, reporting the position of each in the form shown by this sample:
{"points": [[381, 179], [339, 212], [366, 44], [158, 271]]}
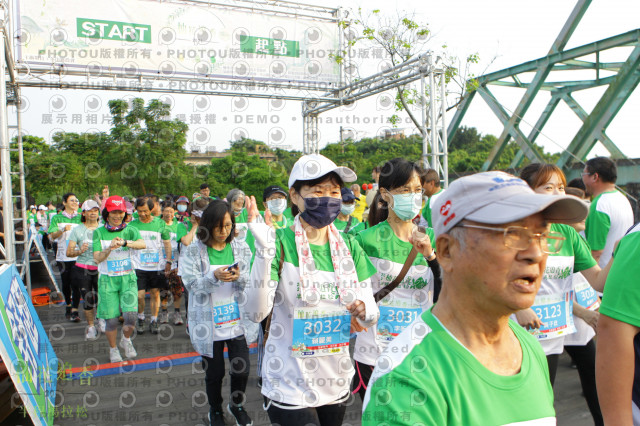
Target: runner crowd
{"points": [[310, 270]]}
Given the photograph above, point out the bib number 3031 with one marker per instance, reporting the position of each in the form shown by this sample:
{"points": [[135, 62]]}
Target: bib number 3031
{"points": [[393, 320]]}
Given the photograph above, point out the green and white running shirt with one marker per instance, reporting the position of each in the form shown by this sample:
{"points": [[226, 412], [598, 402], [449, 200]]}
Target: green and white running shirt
{"points": [[58, 223], [153, 234], [428, 206], [554, 301], [356, 225], [610, 216], [427, 377], [403, 305], [119, 263], [177, 230], [319, 379]]}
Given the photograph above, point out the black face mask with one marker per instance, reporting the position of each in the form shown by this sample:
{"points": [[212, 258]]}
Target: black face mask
{"points": [[321, 211]]}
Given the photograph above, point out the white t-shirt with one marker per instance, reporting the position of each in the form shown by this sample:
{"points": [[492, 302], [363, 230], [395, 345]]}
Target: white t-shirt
{"points": [[610, 217]]}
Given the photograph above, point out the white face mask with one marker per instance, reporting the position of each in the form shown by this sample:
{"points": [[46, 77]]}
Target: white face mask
{"points": [[277, 206], [347, 209], [182, 208]]}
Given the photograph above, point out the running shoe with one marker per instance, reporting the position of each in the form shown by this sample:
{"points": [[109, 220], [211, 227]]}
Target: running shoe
{"points": [[140, 326], [114, 355], [216, 418], [75, 316], [129, 350], [153, 327], [102, 325], [240, 415], [177, 319], [163, 318], [92, 333]]}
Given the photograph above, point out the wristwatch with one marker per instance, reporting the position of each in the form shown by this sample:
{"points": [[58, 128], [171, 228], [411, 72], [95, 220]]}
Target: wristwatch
{"points": [[125, 243]]}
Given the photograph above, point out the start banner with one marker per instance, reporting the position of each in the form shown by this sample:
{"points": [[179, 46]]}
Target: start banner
{"points": [[169, 38]]}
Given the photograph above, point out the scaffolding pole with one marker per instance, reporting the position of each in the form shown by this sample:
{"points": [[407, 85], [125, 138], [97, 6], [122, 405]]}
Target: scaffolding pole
{"points": [[5, 156]]}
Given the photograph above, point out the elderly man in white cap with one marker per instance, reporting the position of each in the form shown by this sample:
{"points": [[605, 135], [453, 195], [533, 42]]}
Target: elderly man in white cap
{"points": [[464, 361]]}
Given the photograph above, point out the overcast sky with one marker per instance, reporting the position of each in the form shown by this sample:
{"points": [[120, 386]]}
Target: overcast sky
{"points": [[503, 32]]}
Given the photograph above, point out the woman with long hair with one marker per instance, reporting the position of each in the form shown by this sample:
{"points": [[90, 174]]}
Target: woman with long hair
{"points": [[215, 269], [554, 312], [388, 244]]}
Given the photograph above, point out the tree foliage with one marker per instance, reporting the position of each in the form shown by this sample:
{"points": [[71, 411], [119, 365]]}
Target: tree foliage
{"points": [[145, 137], [403, 37]]}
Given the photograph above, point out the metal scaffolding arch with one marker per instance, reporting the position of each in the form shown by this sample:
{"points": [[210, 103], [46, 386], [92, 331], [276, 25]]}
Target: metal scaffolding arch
{"points": [[424, 68], [557, 62]]}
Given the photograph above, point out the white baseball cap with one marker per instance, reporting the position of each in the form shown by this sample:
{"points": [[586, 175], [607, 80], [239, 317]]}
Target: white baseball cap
{"points": [[496, 198], [90, 205], [42, 207], [313, 166]]}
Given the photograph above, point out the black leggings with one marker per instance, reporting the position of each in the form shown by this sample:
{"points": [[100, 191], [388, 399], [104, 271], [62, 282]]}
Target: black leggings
{"points": [[86, 282], [585, 359], [361, 379], [67, 289], [238, 370], [327, 415]]}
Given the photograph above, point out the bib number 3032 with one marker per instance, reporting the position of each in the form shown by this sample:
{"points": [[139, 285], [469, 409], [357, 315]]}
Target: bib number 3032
{"points": [[320, 332]]}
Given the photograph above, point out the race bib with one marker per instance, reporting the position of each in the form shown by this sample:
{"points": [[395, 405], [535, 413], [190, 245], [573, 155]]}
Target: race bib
{"points": [[119, 267], [556, 314], [226, 314], [149, 258], [393, 320], [586, 296], [320, 332]]}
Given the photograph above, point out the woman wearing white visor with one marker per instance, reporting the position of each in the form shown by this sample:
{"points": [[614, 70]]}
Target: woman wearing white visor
{"points": [[312, 280]]}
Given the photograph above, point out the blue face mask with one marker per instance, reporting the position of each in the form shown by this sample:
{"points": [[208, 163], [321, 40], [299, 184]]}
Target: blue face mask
{"points": [[347, 209], [407, 206], [320, 211], [277, 206]]}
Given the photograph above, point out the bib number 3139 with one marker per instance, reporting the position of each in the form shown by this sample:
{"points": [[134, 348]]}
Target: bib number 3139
{"points": [[226, 314], [320, 332]]}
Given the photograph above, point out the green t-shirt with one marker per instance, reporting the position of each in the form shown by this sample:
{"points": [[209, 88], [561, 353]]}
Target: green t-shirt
{"points": [[426, 211], [597, 225], [220, 257], [177, 230], [621, 298], [356, 225], [80, 235], [102, 239], [381, 242], [153, 233], [321, 256], [430, 378], [59, 222]]}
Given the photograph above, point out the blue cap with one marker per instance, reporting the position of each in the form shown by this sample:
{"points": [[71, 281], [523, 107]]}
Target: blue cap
{"points": [[347, 195]]}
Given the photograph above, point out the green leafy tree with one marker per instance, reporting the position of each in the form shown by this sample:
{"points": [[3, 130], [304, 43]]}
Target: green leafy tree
{"points": [[147, 145]]}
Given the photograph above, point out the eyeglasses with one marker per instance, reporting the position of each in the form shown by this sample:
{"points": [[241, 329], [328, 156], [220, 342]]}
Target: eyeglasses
{"points": [[519, 238], [404, 191], [72, 200], [586, 174]]}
